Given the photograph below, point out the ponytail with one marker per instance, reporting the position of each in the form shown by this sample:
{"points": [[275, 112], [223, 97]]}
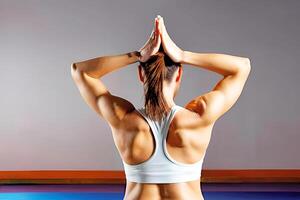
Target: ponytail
{"points": [[157, 68]]}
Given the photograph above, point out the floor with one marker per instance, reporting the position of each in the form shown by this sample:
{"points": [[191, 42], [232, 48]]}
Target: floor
{"points": [[233, 191]]}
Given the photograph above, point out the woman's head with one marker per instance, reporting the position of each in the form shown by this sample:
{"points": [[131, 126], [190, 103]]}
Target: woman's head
{"points": [[161, 79]]}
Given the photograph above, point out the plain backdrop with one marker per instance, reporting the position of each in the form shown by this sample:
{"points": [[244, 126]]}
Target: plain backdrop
{"points": [[45, 124]]}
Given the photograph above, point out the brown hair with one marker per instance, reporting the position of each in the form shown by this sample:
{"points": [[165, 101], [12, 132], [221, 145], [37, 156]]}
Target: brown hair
{"points": [[157, 68]]}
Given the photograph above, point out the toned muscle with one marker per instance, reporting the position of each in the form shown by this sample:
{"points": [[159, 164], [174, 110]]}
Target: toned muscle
{"points": [[186, 142]]}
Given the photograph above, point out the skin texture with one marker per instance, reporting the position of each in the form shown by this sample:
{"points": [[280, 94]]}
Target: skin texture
{"points": [[190, 130]]}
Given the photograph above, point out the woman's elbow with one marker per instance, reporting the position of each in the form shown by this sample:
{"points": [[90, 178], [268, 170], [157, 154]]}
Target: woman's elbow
{"points": [[74, 71], [246, 65]]}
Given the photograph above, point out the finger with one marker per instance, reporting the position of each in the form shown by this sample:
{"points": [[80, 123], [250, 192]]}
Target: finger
{"points": [[161, 20], [157, 37], [160, 24], [158, 41], [156, 26], [153, 36]]}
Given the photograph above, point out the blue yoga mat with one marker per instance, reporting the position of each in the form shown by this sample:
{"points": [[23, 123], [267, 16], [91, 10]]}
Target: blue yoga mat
{"points": [[119, 196]]}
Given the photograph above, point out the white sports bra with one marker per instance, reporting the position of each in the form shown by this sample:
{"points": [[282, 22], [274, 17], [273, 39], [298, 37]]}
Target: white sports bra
{"points": [[160, 167]]}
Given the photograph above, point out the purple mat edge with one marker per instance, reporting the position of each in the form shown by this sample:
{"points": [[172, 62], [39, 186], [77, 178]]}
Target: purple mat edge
{"points": [[234, 187]]}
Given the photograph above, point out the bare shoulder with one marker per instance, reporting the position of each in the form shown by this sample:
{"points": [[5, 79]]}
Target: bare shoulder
{"points": [[190, 117], [192, 130], [134, 121], [215, 103]]}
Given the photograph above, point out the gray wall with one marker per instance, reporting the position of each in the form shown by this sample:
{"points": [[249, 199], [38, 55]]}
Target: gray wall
{"points": [[45, 124]]}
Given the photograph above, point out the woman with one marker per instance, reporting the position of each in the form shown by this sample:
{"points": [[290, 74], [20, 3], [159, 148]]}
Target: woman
{"points": [[162, 145]]}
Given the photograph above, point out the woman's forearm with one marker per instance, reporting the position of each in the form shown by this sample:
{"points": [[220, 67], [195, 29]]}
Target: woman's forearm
{"points": [[220, 63], [100, 66]]}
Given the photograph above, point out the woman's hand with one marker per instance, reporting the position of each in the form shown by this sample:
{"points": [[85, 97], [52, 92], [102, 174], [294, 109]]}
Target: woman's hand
{"points": [[170, 48], [152, 45]]}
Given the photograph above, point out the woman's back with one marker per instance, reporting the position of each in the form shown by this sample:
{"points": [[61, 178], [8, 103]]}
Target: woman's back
{"points": [[186, 143]]}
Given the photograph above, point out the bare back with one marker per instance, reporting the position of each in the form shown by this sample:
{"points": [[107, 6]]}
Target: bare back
{"points": [[187, 141]]}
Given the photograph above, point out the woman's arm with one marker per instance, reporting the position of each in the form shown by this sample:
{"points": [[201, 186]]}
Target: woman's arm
{"points": [[87, 74], [235, 70], [223, 64], [98, 67], [221, 98]]}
